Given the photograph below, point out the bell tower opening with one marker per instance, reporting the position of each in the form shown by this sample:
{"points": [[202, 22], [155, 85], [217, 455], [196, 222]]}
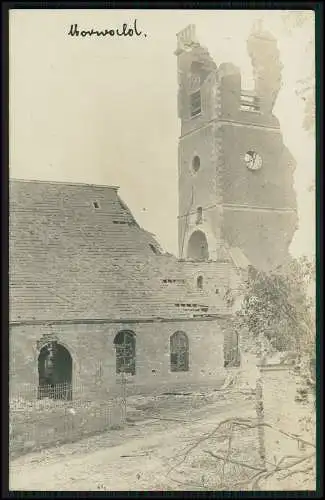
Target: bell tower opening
{"points": [[197, 248]]}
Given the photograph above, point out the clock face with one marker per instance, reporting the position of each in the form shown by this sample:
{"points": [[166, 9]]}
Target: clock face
{"points": [[253, 160]]}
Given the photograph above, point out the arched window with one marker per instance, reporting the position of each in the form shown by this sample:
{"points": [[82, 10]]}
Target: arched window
{"points": [[179, 354], [125, 352], [199, 282]]}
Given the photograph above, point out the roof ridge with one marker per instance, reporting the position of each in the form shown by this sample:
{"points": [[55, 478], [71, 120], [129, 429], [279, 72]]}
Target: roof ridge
{"points": [[66, 183]]}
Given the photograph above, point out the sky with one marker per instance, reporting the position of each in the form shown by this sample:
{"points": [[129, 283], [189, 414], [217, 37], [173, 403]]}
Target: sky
{"points": [[104, 110]]}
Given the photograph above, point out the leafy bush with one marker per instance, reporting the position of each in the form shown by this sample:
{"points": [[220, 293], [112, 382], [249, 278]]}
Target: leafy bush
{"points": [[278, 315]]}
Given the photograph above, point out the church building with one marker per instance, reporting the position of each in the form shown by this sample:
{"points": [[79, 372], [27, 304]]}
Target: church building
{"points": [[94, 296]]}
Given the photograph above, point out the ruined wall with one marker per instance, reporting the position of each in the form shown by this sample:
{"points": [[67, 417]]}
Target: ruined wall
{"points": [[218, 280], [92, 349], [259, 206], [282, 412]]}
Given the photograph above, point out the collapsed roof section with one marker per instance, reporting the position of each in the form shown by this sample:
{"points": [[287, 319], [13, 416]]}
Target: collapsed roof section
{"points": [[77, 253]]}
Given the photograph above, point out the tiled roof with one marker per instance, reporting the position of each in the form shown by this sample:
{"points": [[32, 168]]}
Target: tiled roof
{"points": [[70, 260]]}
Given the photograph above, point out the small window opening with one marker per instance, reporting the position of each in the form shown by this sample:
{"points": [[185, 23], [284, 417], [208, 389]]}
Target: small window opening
{"points": [[199, 282], [154, 249], [217, 291], [196, 163], [199, 215], [95, 204], [180, 281], [196, 103], [193, 307]]}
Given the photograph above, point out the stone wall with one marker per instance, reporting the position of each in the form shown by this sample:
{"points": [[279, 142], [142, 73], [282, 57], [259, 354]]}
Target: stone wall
{"points": [[92, 349], [285, 414]]}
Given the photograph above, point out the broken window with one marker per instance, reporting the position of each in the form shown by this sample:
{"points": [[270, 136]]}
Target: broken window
{"points": [[199, 282], [199, 215], [125, 352], [195, 103], [179, 352]]}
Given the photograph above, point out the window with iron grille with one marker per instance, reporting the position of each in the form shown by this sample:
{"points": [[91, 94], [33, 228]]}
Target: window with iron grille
{"points": [[125, 352], [195, 103], [179, 352]]}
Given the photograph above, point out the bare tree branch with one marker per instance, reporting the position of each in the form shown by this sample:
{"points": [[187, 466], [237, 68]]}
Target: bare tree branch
{"points": [[286, 464], [204, 438], [232, 461]]}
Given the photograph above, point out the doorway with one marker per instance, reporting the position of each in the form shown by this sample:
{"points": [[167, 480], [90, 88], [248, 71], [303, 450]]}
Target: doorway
{"points": [[55, 372]]}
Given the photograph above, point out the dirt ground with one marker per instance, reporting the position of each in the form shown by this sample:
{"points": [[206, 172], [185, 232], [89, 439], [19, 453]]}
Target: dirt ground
{"points": [[148, 454]]}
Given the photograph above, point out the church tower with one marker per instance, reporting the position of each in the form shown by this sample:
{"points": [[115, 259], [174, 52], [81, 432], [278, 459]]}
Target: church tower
{"points": [[235, 174]]}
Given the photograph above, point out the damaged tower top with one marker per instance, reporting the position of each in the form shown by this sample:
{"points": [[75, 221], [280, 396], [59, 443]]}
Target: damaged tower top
{"points": [[234, 169], [186, 39], [267, 67]]}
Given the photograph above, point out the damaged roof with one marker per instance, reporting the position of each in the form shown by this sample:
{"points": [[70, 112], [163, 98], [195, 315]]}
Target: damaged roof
{"points": [[76, 252]]}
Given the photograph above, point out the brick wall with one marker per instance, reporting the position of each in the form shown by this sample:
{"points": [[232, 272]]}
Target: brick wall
{"points": [[92, 350]]}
